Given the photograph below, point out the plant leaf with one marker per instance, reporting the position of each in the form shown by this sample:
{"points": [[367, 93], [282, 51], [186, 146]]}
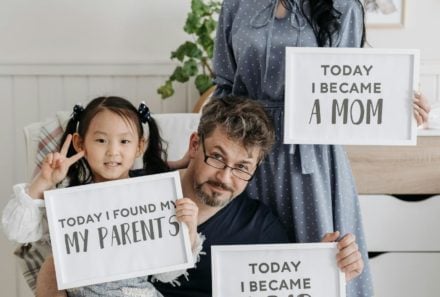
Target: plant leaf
{"points": [[210, 25], [203, 82], [179, 75], [207, 43], [166, 90], [192, 50], [192, 23], [189, 49], [179, 53], [199, 8], [190, 67]]}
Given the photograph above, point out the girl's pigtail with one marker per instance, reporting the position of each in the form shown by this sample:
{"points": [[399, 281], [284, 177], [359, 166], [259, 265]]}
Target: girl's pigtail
{"points": [[154, 159], [71, 128]]}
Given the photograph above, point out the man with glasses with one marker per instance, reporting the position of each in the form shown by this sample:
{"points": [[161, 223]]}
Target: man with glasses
{"points": [[233, 137]]}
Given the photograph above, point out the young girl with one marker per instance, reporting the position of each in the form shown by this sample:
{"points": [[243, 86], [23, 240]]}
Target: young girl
{"points": [[101, 143]]}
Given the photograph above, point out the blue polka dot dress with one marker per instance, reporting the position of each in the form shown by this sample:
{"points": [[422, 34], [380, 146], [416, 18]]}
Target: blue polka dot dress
{"points": [[310, 187]]}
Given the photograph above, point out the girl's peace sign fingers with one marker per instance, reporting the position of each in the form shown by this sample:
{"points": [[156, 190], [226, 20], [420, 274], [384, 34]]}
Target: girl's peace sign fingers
{"points": [[61, 165], [73, 159], [65, 149], [66, 145]]}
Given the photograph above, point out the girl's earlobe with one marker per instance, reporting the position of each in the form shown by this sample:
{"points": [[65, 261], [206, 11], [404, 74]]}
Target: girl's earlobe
{"points": [[141, 147]]}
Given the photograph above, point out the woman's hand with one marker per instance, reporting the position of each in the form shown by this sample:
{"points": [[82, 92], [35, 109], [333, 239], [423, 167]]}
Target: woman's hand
{"points": [[53, 170], [187, 212], [349, 258], [421, 108]]}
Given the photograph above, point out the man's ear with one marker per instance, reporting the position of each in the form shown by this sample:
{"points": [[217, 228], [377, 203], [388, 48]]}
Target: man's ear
{"points": [[194, 143], [141, 147], [77, 142]]}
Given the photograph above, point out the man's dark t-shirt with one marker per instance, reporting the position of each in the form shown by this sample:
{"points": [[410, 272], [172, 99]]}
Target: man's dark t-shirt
{"points": [[242, 221]]}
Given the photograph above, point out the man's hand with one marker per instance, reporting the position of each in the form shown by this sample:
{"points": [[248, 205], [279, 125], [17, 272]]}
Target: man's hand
{"points": [[349, 258]]}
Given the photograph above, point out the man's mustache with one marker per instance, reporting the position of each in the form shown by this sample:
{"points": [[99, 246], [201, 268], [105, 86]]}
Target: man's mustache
{"points": [[219, 185]]}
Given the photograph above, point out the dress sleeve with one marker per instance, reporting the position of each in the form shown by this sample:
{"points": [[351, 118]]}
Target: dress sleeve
{"points": [[224, 61], [171, 276], [352, 25], [22, 217]]}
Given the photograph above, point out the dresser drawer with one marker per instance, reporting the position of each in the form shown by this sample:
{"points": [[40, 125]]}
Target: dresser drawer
{"points": [[406, 274], [397, 169], [392, 224]]}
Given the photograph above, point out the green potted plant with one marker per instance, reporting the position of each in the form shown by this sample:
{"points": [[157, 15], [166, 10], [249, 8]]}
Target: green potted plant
{"points": [[195, 56]]}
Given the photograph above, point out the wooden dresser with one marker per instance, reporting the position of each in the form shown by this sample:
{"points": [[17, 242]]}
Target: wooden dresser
{"points": [[398, 169], [400, 200]]}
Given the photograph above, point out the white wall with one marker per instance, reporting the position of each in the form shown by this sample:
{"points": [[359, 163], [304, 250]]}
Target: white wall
{"points": [[420, 31], [55, 53], [421, 23], [90, 30]]}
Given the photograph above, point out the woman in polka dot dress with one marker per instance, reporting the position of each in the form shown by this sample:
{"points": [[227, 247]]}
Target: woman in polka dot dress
{"points": [[310, 187]]}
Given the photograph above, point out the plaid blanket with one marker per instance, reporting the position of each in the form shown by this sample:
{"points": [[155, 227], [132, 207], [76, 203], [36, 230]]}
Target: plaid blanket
{"points": [[30, 259], [49, 140], [32, 255]]}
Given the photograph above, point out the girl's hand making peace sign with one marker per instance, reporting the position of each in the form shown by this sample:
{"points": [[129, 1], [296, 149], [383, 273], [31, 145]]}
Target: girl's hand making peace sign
{"points": [[53, 170]]}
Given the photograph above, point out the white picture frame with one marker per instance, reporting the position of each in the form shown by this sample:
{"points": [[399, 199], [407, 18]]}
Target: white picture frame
{"points": [[384, 13], [350, 96], [116, 230], [280, 270]]}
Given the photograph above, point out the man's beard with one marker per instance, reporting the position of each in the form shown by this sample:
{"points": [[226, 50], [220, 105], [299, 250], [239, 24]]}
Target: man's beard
{"points": [[212, 200]]}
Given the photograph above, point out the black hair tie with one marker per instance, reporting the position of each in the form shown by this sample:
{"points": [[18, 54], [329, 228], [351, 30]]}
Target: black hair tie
{"points": [[144, 113], [77, 111]]}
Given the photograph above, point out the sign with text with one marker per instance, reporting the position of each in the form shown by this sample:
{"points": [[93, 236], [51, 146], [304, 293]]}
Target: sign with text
{"points": [[350, 96], [277, 270], [116, 230]]}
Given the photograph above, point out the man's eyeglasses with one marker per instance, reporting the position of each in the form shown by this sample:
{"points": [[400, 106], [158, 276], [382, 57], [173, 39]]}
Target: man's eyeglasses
{"points": [[219, 164]]}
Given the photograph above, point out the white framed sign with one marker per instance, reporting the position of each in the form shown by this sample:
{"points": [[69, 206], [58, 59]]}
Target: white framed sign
{"points": [[277, 270], [116, 230], [350, 96]]}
